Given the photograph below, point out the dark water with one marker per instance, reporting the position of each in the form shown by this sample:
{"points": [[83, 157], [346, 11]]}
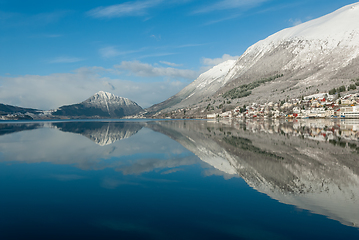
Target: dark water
{"points": [[179, 180]]}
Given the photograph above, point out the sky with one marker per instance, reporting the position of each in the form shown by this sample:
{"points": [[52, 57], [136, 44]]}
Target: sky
{"points": [[54, 52]]}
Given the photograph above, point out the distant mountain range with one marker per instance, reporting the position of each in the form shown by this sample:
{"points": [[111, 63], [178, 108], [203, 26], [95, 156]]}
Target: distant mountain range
{"points": [[314, 56], [21, 113], [100, 105]]}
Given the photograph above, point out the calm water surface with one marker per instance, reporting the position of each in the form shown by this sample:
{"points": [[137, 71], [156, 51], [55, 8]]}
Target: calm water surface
{"points": [[179, 180]]}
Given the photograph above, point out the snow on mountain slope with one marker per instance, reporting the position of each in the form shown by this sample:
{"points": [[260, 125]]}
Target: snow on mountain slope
{"points": [[206, 84], [102, 99], [315, 43]]}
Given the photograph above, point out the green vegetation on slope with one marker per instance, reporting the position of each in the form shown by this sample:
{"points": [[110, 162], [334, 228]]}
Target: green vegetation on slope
{"points": [[245, 89]]}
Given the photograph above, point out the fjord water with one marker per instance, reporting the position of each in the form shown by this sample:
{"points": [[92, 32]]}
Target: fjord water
{"points": [[179, 180]]}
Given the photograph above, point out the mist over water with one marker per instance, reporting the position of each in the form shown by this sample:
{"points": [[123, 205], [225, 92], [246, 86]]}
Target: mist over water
{"points": [[179, 179]]}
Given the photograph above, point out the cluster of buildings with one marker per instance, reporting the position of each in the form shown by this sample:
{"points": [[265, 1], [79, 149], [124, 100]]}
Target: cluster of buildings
{"points": [[321, 105]]}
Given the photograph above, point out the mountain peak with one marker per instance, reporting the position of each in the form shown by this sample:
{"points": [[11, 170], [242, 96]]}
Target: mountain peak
{"points": [[104, 95]]}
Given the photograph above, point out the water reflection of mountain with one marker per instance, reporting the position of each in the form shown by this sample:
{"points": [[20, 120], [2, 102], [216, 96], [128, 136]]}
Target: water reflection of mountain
{"points": [[99, 132], [188, 135], [319, 176], [8, 128]]}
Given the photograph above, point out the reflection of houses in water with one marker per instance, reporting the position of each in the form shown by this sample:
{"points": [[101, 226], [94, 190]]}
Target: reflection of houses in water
{"points": [[323, 130]]}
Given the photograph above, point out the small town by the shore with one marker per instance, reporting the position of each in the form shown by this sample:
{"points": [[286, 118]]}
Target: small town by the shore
{"points": [[320, 105]]}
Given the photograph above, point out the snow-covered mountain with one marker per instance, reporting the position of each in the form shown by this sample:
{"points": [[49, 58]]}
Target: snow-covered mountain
{"points": [[102, 104], [316, 55]]}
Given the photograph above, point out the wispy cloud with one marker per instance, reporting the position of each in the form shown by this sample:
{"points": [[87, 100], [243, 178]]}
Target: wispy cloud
{"points": [[136, 8], [229, 4], [156, 55], [46, 36], [53, 35], [66, 60], [216, 61], [147, 70], [298, 21], [295, 22], [12, 19], [112, 51], [158, 37], [171, 64], [172, 171], [69, 177], [189, 45], [222, 19]]}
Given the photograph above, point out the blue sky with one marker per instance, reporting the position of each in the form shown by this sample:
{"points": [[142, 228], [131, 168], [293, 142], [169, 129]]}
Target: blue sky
{"points": [[61, 52]]}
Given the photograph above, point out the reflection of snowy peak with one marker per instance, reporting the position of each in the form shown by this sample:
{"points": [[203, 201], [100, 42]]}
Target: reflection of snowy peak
{"points": [[110, 134], [102, 104], [101, 133]]}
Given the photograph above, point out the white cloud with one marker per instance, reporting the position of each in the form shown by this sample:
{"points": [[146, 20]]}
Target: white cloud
{"points": [[137, 8], [216, 61], [147, 70], [295, 22], [66, 60], [52, 91], [109, 52], [230, 4], [158, 37], [171, 64]]}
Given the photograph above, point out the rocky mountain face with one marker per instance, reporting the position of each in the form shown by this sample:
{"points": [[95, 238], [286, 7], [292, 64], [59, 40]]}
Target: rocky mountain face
{"points": [[100, 105], [314, 56]]}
